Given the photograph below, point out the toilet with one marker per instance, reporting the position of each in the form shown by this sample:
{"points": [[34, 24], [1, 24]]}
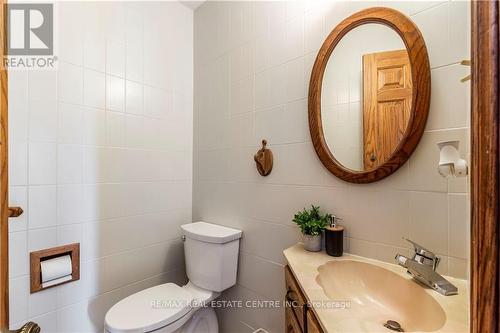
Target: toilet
{"points": [[211, 256]]}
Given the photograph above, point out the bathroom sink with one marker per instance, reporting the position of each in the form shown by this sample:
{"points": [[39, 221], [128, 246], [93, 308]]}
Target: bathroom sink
{"points": [[355, 294], [376, 295]]}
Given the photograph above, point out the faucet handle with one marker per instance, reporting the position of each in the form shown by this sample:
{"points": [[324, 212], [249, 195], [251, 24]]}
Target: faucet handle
{"points": [[424, 256], [420, 250]]}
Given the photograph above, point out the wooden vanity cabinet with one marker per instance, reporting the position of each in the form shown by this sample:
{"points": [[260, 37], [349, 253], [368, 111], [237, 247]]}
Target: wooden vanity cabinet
{"points": [[299, 317]]}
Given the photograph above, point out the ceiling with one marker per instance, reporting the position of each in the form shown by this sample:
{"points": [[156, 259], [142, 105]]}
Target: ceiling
{"points": [[192, 4]]}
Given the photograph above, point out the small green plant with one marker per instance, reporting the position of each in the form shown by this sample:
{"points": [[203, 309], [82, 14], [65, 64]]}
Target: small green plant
{"points": [[311, 222]]}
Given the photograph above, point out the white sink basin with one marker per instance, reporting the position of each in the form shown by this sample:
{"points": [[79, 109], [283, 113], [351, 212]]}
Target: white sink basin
{"points": [[356, 294], [376, 295]]}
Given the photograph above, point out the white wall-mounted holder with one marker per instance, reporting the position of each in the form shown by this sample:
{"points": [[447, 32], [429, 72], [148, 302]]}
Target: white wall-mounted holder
{"points": [[450, 162]]}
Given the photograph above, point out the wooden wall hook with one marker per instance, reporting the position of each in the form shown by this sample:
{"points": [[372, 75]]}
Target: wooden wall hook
{"points": [[15, 211], [264, 160]]}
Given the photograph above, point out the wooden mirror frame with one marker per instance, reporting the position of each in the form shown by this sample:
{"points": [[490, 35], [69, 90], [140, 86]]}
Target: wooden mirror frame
{"points": [[421, 80]]}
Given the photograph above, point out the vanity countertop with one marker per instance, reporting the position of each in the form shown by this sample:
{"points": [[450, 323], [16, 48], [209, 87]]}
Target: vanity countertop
{"points": [[335, 317]]}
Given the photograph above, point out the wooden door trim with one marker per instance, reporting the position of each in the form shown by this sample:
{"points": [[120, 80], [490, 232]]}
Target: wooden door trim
{"points": [[421, 83], [4, 186], [485, 162]]}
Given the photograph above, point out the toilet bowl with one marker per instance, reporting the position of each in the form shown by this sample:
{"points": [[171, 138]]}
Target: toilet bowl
{"points": [[211, 256]]}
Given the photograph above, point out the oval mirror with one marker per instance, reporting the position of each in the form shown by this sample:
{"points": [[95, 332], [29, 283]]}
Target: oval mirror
{"points": [[369, 95]]}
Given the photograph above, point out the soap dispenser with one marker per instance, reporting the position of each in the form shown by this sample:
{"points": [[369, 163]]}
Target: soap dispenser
{"points": [[334, 237]]}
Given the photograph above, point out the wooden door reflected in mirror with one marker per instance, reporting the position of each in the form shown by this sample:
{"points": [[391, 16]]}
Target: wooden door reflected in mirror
{"points": [[386, 104], [369, 95]]}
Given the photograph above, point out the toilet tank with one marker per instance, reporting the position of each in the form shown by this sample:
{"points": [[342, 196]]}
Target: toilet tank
{"points": [[211, 255]]}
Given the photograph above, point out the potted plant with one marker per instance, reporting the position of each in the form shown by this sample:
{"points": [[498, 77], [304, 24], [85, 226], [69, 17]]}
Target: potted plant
{"points": [[312, 223]]}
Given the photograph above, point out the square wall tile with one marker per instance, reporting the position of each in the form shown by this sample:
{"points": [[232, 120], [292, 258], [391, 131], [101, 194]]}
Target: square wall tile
{"points": [[18, 87], [429, 220], [69, 234], [42, 211], [242, 130], [18, 163], [18, 115], [294, 34], [134, 61], [459, 222], [241, 96], [242, 62], [450, 98], [94, 169], [134, 131], [373, 250], [295, 80], [104, 201], [40, 239], [115, 129], [115, 93], [18, 254], [433, 23], [458, 268], [71, 318], [70, 38], [157, 102], [70, 124], [94, 89], [256, 274], [42, 85], [94, 126], [43, 120], [459, 23], [19, 289], [265, 122], [94, 56], [69, 204], [134, 97], [70, 83], [42, 302], [69, 163], [46, 321], [42, 163], [115, 58], [387, 212], [314, 33]]}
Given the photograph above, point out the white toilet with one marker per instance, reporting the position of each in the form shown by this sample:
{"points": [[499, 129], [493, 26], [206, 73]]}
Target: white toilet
{"points": [[211, 255]]}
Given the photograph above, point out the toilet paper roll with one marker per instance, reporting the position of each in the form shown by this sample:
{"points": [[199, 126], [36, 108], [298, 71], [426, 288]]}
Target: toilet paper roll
{"points": [[56, 281], [56, 269]]}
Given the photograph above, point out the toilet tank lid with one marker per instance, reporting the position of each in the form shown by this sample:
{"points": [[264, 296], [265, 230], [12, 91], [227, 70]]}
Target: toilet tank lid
{"points": [[210, 233]]}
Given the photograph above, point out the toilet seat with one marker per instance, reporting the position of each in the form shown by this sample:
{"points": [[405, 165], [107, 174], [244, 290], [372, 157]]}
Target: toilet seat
{"points": [[163, 309], [149, 309]]}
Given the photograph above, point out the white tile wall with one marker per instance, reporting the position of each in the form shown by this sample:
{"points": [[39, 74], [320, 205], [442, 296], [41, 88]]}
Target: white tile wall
{"points": [[93, 162], [252, 66]]}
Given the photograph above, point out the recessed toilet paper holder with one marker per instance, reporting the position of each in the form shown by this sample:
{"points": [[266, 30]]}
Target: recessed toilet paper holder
{"points": [[37, 257]]}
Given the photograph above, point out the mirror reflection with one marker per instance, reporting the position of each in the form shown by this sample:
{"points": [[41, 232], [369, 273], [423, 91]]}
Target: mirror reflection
{"points": [[366, 96]]}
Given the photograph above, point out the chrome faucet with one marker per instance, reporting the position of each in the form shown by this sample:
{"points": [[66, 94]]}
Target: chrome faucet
{"points": [[423, 268]]}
